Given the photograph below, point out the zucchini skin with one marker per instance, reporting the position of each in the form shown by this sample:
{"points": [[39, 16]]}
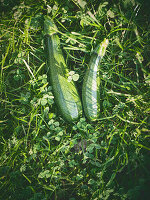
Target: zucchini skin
{"points": [[65, 93], [91, 83], [91, 89]]}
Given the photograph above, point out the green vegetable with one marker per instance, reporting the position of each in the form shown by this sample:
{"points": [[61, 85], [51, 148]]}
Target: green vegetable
{"points": [[91, 83], [65, 92]]}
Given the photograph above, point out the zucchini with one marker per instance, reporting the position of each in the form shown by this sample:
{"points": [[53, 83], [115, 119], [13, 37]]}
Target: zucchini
{"points": [[65, 93], [91, 83]]}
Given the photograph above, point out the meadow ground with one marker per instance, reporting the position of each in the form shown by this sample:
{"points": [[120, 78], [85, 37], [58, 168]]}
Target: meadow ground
{"points": [[42, 157]]}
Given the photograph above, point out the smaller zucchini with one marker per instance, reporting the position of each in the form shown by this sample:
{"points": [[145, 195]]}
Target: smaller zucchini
{"points": [[91, 83]]}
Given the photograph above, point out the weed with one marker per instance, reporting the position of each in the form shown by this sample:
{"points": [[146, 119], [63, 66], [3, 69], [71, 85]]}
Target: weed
{"points": [[42, 156]]}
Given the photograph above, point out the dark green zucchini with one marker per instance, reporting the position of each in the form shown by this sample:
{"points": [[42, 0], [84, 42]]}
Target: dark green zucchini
{"points": [[91, 83], [65, 93]]}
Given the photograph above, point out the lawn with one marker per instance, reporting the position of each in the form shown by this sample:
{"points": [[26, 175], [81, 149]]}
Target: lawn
{"points": [[44, 157]]}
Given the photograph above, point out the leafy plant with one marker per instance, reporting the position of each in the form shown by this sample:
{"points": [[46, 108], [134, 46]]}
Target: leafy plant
{"points": [[41, 155]]}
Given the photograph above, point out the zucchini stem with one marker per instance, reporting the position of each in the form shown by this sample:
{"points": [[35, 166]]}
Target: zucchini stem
{"points": [[101, 49]]}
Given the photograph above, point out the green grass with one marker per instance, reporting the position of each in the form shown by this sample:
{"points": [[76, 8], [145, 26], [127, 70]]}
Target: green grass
{"points": [[42, 156]]}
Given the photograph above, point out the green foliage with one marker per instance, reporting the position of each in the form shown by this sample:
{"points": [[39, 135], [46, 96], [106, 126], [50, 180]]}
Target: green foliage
{"points": [[43, 157], [73, 76]]}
